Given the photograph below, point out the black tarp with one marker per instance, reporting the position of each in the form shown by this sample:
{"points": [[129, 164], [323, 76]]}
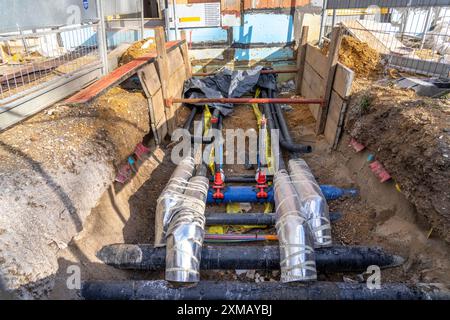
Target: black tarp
{"points": [[227, 83]]}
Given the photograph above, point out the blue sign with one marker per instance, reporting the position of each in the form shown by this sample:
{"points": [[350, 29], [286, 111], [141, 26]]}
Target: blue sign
{"points": [[85, 4]]}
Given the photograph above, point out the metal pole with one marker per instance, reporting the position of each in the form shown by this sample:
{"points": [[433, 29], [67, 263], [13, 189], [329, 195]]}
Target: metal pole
{"points": [[175, 23], [101, 37], [142, 18], [262, 72], [170, 101], [425, 28], [323, 21], [333, 20]]}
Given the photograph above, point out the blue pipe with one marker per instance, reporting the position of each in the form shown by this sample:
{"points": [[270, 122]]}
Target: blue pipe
{"points": [[248, 194]]}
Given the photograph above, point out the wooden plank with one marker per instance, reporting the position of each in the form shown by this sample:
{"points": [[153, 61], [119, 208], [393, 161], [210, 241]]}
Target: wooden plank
{"points": [[185, 53], [176, 85], [308, 92], [317, 60], [333, 53], [175, 61], [151, 78], [334, 110], [163, 69], [160, 114], [176, 82], [301, 56], [115, 77], [148, 85], [314, 80], [343, 80], [335, 117]]}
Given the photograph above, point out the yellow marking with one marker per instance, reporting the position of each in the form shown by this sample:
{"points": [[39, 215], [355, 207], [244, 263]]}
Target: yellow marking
{"points": [[190, 19]]}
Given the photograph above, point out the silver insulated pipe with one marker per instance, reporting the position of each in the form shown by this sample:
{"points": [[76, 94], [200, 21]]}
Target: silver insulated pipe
{"points": [[171, 198], [297, 258], [186, 232], [312, 201]]}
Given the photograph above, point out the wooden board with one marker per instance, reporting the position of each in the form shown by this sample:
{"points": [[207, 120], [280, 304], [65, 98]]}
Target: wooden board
{"points": [[160, 114], [343, 80], [315, 81], [151, 78], [175, 60], [334, 118], [115, 77], [317, 60]]}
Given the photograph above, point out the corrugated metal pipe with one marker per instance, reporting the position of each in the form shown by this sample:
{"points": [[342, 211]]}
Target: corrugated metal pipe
{"points": [[186, 232], [312, 202], [171, 198], [297, 258]]}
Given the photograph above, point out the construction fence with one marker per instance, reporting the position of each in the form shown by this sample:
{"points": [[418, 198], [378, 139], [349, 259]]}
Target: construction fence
{"points": [[58, 51], [412, 35]]}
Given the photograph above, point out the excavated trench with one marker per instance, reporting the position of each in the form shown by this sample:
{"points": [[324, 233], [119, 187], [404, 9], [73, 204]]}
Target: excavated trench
{"points": [[379, 216]]}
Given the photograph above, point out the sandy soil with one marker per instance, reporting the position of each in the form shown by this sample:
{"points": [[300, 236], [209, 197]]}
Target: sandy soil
{"points": [[136, 50], [410, 136], [54, 168], [359, 57], [380, 216]]}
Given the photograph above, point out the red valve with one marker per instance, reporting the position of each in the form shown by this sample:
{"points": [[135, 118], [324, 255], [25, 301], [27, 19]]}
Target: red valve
{"points": [[261, 184], [214, 119], [218, 185]]}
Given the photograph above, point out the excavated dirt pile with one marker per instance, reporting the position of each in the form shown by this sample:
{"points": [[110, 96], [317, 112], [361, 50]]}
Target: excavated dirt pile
{"points": [[136, 50], [410, 135], [359, 57], [54, 167]]}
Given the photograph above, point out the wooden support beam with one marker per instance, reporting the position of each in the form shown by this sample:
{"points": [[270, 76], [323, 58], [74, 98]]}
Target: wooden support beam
{"points": [[151, 111], [163, 70], [301, 56], [185, 53], [333, 56]]}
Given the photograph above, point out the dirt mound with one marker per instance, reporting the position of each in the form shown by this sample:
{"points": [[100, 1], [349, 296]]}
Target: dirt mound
{"points": [[54, 167], [410, 135], [358, 56], [136, 50]]}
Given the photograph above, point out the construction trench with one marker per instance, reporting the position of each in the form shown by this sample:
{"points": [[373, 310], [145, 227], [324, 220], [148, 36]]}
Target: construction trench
{"points": [[308, 219]]}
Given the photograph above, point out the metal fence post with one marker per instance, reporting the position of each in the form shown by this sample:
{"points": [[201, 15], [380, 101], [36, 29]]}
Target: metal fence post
{"points": [[322, 22], [101, 37], [142, 18]]}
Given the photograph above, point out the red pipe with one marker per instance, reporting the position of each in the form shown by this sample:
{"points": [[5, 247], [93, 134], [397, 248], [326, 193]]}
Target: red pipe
{"points": [[262, 72], [171, 101]]}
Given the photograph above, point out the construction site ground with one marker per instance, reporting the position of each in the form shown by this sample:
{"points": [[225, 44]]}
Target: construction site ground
{"points": [[57, 169], [380, 216]]}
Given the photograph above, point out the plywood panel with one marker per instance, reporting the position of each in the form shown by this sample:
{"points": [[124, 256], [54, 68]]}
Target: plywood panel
{"points": [[343, 81], [175, 60], [335, 116], [314, 80], [151, 78], [176, 84], [160, 115], [317, 60], [308, 92]]}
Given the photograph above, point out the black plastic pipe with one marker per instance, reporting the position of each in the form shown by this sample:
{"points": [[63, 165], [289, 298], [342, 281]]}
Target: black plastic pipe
{"points": [[188, 123], [213, 290], [332, 259], [262, 219], [278, 122]]}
